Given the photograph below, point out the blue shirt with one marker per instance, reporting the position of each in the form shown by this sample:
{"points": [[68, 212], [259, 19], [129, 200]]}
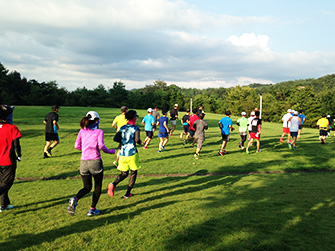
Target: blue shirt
{"points": [[301, 116], [128, 144], [161, 121], [148, 120], [225, 123]]}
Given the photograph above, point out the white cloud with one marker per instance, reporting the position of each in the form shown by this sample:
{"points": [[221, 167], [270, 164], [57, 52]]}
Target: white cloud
{"points": [[86, 43]]}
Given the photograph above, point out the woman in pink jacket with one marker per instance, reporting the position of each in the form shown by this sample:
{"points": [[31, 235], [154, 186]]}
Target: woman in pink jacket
{"points": [[90, 141]]}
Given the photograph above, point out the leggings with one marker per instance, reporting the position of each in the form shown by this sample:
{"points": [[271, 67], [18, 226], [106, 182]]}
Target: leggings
{"points": [[7, 176], [124, 175], [87, 182], [244, 138]]}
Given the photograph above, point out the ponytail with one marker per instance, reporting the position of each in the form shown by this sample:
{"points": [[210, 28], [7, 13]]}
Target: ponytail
{"points": [[84, 122]]}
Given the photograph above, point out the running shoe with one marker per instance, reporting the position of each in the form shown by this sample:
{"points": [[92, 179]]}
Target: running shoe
{"points": [[281, 140], [196, 156], [181, 135], [111, 189], [224, 151], [115, 163], [294, 148], [49, 152], [184, 142], [220, 153], [163, 148], [290, 146], [93, 212], [145, 147], [239, 144], [171, 134], [242, 148], [6, 208], [126, 196], [258, 151], [73, 202], [159, 151], [247, 150], [45, 155]]}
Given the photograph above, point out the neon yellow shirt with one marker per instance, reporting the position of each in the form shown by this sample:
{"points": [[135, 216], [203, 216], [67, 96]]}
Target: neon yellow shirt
{"points": [[323, 123], [119, 121]]}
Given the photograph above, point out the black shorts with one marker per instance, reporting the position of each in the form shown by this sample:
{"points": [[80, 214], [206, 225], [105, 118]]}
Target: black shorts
{"points": [[300, 127], [154, 126], [192, 133], [323, 133], [51, 136], [225, 137], [149, 134], [186, 129]]}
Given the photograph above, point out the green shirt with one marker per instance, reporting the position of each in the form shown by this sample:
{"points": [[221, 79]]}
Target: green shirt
{"points": [[243, 122]]}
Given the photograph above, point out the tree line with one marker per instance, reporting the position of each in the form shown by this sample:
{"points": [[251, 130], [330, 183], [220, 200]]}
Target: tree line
{"points": [[313, 96]]}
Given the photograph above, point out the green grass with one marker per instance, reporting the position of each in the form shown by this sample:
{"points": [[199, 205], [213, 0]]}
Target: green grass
{"points": [[283, 207]]}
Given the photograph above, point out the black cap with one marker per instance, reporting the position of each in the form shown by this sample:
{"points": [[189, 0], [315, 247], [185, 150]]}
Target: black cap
{"points": [[5, 110], [131, 114]]}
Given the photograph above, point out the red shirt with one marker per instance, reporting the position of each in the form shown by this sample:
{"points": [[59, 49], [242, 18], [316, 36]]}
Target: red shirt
{"points": [[192, 119], [8, 133]]}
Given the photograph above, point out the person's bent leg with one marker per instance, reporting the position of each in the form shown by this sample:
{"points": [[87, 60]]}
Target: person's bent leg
{"points": [[87, 186], [132, 181]]}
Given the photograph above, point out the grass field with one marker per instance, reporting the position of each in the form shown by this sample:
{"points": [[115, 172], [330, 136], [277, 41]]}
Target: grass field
{"points": [[277, 199]]}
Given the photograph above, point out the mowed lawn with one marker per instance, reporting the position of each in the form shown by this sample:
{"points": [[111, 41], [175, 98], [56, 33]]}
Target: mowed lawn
{"points": [[277, 199]]}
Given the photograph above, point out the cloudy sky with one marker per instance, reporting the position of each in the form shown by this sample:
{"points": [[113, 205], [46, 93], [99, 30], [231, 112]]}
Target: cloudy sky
{"points": [[190, 43]]}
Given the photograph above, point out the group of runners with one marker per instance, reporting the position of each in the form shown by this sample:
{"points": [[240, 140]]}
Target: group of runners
{"points": [[90, 141]]}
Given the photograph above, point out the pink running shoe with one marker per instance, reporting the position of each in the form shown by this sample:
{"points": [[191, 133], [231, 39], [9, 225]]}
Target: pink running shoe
{"points": [[111, 189]]}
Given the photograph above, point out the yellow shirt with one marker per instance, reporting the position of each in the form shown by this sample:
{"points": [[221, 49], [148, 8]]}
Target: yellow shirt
{"points": [[323, 123], [119, 121]]}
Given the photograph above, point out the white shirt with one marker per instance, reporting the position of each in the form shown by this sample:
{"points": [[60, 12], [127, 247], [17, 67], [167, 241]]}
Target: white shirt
{"points": [[250, 119], [285, 118], [294, 124]]}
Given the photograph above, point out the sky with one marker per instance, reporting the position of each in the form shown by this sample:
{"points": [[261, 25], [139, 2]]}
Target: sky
{"points": [[189, 43]]}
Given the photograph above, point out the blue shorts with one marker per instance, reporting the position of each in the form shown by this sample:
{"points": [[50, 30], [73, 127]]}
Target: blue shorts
{"points": [[163, 135], [294, 134]]}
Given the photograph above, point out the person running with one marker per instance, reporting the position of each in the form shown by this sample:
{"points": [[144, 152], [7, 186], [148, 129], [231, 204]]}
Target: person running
{"points": [[173, 118], [186, 124], [252, 116], [243, 123], [303, 119], [200, 110], [51, 131], [226, 125], [194, 117], [255, 133], [294, 129], [323, 125], [118, 122], [90, 141], [156, 115], [148, 122], [329, 125], [128, 136], [200, 126], [163, 131], [286, 126], [10, 153]]}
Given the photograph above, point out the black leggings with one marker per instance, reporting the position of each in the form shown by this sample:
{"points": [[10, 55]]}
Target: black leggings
{"points": [[87, 182], [244, 138], [124, 175], [7, 177]]}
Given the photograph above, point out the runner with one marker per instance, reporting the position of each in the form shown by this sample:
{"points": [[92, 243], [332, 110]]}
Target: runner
{"points": [[194, 117], [200, 126], [186, 124], [226, 125], [243, 123], [148, 122], [286, 126], [163, 131], [303, 119], [156, 115], [294, 129], [90, 141], [127, 136], [173, 118], [9, 144], [118, 122], [255, 133], [51, 131], [323, 125], [252, 116]]}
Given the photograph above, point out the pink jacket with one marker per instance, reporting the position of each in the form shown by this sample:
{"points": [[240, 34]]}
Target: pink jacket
{"points": [[90, 142]]}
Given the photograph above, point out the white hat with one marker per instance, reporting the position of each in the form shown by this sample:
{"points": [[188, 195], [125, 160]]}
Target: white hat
{"points": [[93, 115], [175, 105], [328, 116], [150, 110], [295, 112], [243, 113], [289, 110], [252, 113]]}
